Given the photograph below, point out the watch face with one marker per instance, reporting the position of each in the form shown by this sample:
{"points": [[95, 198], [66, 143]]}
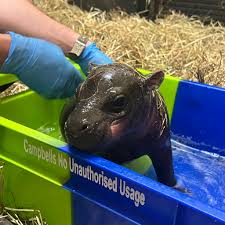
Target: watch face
{"points": [[79, 46]]}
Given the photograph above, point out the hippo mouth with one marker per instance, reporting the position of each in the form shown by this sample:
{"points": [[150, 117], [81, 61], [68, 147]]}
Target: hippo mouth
{"points": [[88, 143]]}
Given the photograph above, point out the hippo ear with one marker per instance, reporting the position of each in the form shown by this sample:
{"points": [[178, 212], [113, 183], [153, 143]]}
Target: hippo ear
{"points": [[91, 66], [155, 80]]}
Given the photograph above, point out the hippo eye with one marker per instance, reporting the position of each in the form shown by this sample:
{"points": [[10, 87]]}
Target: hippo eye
{"points": [[119, 103]]}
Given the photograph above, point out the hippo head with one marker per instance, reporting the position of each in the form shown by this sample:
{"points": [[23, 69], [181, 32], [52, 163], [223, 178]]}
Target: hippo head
{"points": [[112, 104]]}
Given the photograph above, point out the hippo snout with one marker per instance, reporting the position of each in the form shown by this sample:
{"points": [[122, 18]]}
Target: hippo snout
{"points": [[82, 134], [76, 126]]}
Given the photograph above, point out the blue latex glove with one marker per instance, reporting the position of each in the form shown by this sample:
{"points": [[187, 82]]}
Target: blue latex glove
{"points": [[42, 66], [92, 54]]}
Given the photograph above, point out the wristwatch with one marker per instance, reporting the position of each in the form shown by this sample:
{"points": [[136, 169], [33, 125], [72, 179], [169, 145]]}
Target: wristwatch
{"points": [[78, 47]]}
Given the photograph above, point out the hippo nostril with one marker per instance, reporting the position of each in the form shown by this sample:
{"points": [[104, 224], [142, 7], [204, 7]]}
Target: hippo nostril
{"points": [[84, 127]]}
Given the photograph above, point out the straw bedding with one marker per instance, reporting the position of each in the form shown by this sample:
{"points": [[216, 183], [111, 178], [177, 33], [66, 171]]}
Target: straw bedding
{"points": [[179, 45], [11, 216]]}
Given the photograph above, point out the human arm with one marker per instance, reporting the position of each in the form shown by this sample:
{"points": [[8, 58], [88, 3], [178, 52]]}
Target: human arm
{"points": [[22, 17], [39, 64], [5, 41]]}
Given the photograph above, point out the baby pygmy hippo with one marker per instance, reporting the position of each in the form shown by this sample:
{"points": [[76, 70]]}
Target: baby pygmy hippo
{"points": [[121, 115]]}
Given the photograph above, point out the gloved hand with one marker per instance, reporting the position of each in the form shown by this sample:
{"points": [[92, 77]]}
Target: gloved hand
{"points": [[42, 66], [92, 54]]}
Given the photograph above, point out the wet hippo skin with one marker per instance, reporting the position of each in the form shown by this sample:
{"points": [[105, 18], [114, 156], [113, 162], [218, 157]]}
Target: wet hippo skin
{"points": [[120, 115]]}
